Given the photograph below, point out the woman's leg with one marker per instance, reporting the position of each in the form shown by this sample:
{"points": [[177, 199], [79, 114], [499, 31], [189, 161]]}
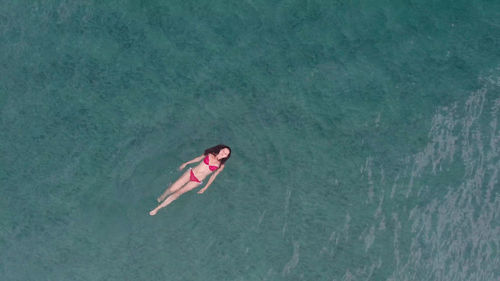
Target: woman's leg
{"points": [[190, 185], [175, 186]]}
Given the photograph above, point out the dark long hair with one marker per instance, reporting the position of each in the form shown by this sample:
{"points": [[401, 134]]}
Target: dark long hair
{"points": [[215, 150]]}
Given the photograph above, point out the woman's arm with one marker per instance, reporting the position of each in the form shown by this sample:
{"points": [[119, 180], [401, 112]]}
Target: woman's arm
{"points": [[212, 178], [197, 159]]}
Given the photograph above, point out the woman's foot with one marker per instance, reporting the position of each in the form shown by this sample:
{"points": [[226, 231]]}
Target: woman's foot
{"points": [[153, 212]]}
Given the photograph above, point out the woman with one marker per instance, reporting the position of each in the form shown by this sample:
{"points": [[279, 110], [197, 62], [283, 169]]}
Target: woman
{"points": [[213, 160]]}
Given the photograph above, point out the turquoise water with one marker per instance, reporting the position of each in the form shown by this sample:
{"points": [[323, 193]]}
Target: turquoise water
{"points": [[365, 139]]}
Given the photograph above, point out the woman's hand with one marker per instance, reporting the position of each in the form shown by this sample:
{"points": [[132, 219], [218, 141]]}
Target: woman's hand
{"points": [[201, 190], [182, 167]]}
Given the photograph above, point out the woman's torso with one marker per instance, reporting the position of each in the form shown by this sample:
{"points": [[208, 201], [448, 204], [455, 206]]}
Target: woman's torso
{"points": [[202, 170]]}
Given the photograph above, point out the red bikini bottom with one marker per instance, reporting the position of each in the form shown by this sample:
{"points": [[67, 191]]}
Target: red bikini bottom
{"points": [[193, 177]]}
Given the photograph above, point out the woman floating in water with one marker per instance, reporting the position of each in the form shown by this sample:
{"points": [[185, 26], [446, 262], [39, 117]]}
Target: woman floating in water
{"points": [[213, 160]]}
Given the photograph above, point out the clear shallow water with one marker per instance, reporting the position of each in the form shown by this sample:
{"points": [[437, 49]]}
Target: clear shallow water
{"points": [[365, 140]]}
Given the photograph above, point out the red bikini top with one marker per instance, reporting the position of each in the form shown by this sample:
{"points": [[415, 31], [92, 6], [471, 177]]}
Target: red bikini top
{"points": [[206, 161]]}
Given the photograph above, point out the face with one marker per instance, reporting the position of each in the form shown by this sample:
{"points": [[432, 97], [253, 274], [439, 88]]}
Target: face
{"points": [[223, 153]]}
